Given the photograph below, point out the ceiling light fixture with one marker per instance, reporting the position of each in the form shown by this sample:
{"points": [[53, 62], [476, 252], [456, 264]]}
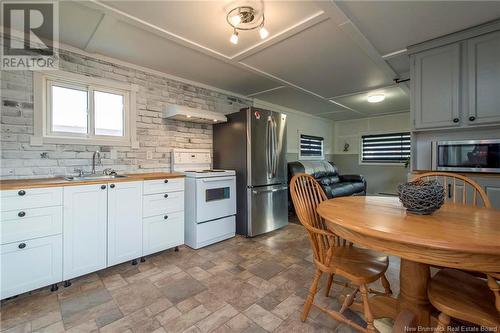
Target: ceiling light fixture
{"points": [[234, 37], [235, 19], [376, 98], [263, 32], [246, 18]]}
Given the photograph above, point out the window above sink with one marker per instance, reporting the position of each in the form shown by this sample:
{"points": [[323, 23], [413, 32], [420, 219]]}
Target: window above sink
{"points": [[77, 109]]}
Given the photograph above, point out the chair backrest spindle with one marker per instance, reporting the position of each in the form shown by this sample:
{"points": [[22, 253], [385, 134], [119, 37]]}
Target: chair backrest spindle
{"points": [[452, 181], [307, 194]]}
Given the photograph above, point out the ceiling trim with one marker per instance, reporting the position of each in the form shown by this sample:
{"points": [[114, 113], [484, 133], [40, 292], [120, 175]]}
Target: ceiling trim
{"points": [[282, 35], [346, 25], [342, 105], [105, 22], [96, 4], [296, 28], [329, 11], [285, 109], [271, 76], [119, 62], [395, 54], [265, 91], [366, 91]]}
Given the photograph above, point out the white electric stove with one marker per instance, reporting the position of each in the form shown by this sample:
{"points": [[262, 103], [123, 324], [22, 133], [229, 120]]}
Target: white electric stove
{"points": [[210, 198]]}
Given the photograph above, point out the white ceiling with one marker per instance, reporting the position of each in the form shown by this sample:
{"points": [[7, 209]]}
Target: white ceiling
{"points": [[322, 57]]}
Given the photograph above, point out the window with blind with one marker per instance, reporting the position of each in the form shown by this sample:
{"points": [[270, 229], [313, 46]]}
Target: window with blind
{"points": [[311, 147], [386, 148]]}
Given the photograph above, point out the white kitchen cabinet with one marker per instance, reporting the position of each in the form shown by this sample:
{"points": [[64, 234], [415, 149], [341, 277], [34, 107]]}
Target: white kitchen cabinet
{"points": [[30, 264], [484, 79], [163, 215], [31, 198], [163, 232], [85, 229], [435, 81], [30, 223], [53, 234], [163, 185], [158, 204], [124, 222]]}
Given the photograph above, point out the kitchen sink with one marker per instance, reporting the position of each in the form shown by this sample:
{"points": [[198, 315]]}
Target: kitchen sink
{"points": [[93, 177]]}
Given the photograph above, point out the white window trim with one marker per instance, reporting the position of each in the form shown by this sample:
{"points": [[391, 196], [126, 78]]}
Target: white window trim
{"points": [[360, 155], [42, 130], [310, 158]]}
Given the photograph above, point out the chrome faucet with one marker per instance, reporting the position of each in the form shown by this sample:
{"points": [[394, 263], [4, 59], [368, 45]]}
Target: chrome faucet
{"points": [[96, 157]]}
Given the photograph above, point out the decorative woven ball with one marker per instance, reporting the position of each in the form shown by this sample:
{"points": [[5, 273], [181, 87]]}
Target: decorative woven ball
{"points": [[421, 197]]}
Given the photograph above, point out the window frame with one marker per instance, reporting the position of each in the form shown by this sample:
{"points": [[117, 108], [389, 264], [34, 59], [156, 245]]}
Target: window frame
{"points": [[311, 158], [392, 163], [43, 133]]}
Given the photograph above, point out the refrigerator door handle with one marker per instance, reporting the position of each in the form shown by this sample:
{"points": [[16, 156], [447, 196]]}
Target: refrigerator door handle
{"points": [[269, 139], [271, 190], [275, 150]]}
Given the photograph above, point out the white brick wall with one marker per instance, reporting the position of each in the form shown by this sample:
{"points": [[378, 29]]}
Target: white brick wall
{"points": [[154, 133]]}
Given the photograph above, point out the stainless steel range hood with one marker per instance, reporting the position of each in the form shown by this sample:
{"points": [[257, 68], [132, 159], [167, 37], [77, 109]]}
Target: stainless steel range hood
{"points": [[185, 113]]}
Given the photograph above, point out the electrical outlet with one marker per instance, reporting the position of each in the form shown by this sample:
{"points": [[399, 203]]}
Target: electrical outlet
{"points": [[149, 155]]}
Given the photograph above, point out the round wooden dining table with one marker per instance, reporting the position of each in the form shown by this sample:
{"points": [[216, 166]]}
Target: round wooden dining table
{"points": [[454, 236]]}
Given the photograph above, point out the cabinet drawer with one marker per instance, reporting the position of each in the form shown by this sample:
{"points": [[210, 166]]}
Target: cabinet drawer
{"points": [[30, 223], [30, 265], [160, 204], [160, 234], [163, 185], [31, 198]]}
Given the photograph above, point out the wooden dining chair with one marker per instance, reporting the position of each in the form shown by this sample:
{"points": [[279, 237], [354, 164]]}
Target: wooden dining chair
{"points": [[335, 256], [465, 297], [458, 189]]}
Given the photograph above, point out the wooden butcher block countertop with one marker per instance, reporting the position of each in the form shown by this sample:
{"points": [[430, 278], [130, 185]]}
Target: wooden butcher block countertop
{"points": [[15, 184]]}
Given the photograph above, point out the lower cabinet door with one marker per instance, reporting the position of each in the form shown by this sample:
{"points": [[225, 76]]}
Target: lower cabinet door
{"points": [[124, 222], [85, 229], [162, 232], [30, 264]]}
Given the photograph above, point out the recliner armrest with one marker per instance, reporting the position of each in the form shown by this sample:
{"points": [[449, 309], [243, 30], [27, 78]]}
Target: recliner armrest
{"points": [[352, 178]]}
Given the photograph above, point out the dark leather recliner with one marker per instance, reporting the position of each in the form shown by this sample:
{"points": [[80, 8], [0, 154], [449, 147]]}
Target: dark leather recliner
{"points": [[327, 175]]}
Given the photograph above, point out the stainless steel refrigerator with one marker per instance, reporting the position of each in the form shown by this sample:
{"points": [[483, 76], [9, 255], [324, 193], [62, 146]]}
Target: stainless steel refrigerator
{"points": [[253, 142]]}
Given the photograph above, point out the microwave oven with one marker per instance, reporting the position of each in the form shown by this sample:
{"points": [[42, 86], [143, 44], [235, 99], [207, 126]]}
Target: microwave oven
{"points": [[466, 156]]}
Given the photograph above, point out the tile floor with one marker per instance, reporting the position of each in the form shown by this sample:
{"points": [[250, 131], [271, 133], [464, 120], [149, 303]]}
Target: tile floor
{"points": [[240, 285]]}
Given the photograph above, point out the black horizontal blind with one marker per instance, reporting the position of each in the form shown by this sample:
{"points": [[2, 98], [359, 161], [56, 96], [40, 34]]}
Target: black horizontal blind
{"points": [[311, 146], [386, 148]]}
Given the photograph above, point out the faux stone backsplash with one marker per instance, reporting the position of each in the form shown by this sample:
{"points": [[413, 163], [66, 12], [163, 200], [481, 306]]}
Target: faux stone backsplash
{"points": [[155, 134]]}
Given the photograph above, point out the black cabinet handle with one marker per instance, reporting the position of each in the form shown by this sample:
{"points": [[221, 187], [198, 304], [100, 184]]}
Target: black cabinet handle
{"points": [[165, 196], [112, 185], [165, 181], [472, 118], [22, 245], [21, 214], [22, 192], [456, 120], [103, 187], [165, 217], [449, 191]]}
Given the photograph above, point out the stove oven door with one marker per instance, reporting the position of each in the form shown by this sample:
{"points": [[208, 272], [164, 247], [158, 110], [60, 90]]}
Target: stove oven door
{"points": [[215, 198]]}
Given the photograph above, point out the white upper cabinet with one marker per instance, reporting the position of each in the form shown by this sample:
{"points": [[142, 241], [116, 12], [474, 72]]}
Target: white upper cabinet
{"points": [[124, 222], [436, 87], [483, 54], [85, 227]]}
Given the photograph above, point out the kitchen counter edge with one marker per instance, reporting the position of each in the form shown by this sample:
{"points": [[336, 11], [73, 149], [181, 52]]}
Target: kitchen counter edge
{"points": [[16, 184]]}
